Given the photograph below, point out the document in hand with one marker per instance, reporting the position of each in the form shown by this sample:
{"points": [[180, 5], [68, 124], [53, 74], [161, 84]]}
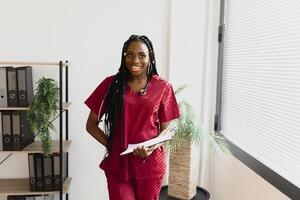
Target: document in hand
{"points": [[166, 135]]}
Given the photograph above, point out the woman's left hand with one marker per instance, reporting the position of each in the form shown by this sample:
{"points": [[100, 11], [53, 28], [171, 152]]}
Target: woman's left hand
{"points": [[144, 152]]}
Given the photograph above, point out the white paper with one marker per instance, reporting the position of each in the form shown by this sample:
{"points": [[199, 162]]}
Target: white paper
{"points": [[166, 135]]}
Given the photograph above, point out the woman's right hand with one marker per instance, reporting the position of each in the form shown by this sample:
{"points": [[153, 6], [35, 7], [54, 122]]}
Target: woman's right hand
{"points": [[144, 152]]}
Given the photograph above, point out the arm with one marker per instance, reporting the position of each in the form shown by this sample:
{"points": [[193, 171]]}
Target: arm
{"points": [[93, 129], [163, 126]]}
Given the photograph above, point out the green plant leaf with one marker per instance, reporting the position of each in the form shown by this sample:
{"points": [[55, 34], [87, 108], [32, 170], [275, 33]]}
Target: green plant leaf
{"points": [[42, 110], [189, 131]]}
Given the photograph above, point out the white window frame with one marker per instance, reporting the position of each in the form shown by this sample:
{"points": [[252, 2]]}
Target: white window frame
{"points": [[282, 184]]}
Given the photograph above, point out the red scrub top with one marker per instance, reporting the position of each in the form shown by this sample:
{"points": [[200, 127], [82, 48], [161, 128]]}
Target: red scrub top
{"points": [[141, 118]]}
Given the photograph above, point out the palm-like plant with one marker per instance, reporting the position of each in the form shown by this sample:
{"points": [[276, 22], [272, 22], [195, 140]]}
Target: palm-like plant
{"points": [[187, 129], [182, 179]]}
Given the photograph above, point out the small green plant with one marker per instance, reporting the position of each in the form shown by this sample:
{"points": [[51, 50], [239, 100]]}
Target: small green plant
{"points": [[42, 110], [188, 131]]}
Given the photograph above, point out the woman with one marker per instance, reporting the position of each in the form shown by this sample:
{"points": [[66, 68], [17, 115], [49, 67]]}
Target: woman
{"points": [[137, 105]]}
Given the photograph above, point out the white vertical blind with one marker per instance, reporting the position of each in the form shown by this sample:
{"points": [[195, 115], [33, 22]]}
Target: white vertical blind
{"points": [[261, 82]]}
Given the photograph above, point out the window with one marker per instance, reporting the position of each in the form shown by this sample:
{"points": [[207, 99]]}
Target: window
{"points": [[259, 87]]}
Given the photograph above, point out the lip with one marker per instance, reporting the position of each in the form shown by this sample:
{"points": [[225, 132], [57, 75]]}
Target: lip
{"points": [[135, 68]]}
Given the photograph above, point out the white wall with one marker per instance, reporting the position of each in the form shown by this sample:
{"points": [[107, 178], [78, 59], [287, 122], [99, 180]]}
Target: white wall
{"points": [[187, 52], [90, 34]]}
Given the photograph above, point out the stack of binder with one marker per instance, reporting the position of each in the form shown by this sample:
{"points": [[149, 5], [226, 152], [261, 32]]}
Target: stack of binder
{"points": [[46, 197], [16, 90], [16, 87], [15, 131], [20, 197], [44, 171]]}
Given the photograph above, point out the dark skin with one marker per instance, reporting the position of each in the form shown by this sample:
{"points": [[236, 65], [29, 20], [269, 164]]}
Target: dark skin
{"points": [[137, 62]]}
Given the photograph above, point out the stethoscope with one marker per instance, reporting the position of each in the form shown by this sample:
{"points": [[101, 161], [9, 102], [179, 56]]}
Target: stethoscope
{"points": [[143, 91]]}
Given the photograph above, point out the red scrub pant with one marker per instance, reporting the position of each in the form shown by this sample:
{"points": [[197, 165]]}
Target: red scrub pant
{"points": [[134, 189]]}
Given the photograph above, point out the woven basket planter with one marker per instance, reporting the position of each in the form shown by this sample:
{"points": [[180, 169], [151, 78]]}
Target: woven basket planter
{"points": [[182, 173]]}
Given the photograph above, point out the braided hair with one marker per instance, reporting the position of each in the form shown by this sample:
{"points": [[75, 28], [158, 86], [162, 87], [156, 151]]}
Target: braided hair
{"points": [[114, 97]]}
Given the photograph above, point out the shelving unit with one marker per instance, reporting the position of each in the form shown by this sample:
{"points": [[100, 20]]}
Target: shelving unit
{"points": [[66, 106], [21, 186], [36, 147]]}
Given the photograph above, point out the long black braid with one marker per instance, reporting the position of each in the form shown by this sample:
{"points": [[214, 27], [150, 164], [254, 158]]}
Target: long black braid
{"points": [[114, 97]]}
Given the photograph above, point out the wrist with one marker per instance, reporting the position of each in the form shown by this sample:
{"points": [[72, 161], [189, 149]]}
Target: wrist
{"points": [[154, 147]]}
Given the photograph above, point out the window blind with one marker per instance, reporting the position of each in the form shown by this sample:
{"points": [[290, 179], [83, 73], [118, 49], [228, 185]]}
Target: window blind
{"points": [[260, 107]]}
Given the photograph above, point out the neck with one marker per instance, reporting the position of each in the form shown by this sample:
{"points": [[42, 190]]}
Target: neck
{"points": [[139, 79]]}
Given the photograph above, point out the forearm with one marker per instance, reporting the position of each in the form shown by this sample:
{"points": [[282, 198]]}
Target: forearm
{"points": [[98, 134], [162, 127]]}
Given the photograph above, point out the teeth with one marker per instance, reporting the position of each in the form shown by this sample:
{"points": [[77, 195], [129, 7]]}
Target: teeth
{"points": [[136, 68]]}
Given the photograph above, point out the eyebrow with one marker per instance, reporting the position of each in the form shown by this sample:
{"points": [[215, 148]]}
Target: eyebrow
{"points": [[138, 52]]}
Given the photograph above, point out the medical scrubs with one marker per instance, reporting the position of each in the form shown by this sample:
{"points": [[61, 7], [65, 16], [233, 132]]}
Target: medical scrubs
{"points": [[141, 117]]}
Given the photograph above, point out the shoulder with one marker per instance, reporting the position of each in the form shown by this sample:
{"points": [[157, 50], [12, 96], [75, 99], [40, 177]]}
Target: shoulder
{"points": [[104, 84], [109, 79], [161, 82]]}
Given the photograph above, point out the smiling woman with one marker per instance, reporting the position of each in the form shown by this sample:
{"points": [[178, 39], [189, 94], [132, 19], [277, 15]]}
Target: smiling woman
{"points": [[137, 105]]}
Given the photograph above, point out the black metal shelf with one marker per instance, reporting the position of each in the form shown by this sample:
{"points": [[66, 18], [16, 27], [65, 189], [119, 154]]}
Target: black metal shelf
{"points": [[63, 103]]}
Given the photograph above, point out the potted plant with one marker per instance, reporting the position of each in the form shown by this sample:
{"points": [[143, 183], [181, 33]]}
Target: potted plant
{"points": [[182, 179], [42, 110]]}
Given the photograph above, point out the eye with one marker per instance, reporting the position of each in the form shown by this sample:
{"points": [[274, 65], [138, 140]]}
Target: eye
{"points": [[142, 56], [128, 55]]}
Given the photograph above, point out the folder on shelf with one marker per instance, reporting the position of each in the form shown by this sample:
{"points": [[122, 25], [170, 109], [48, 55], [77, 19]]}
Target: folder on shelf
{"points": [[25, 86], [39, 198], [31, 167], [16, 131], [20, 197], [12, 97], [6, 131], [27, 136], [56, 167], [38, 159], [22, 134], [56, 176], [29, 198], [49, 197], [1, 135], [3, 87], [48, 173]]}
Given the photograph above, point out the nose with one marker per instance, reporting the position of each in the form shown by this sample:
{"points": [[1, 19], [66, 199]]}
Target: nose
{"points": [[136, 59]]}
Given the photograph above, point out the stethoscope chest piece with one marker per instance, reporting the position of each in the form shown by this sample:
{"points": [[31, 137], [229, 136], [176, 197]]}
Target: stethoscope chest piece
{"points": [[142, 92]]}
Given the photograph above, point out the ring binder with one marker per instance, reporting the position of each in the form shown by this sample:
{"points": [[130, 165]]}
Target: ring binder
{"points": [[6, 131], [12, 87], [31, 166], [16, 132], [1, 133], [3, 87], [25, 86]]}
